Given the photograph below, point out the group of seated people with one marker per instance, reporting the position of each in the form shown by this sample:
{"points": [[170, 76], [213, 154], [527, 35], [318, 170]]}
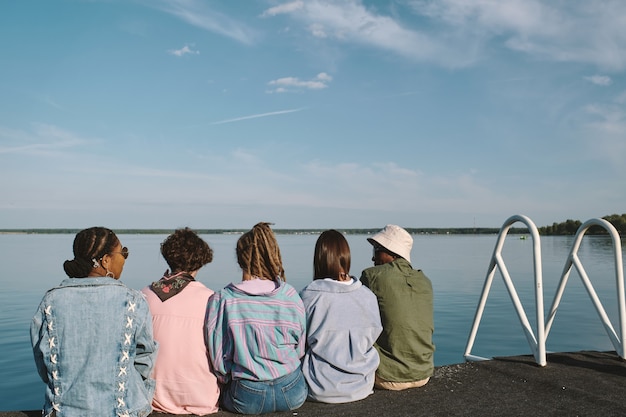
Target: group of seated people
{"points": [[256, 346]]}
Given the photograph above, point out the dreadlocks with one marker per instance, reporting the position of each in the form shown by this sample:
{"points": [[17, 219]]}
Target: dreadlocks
{"points": [[258, 253]]}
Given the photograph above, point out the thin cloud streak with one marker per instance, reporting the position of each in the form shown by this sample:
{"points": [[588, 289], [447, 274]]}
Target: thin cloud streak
{"points": [[41, 139], [256, 116], [196, 13]]}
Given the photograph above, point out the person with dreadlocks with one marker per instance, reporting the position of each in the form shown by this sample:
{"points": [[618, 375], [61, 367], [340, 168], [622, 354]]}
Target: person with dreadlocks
{"points": [[92, 336], [255, 331]]}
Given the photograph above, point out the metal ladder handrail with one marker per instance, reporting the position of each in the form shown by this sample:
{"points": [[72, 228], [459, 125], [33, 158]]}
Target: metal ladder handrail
{"points": [[536, 343], [574, 260]]}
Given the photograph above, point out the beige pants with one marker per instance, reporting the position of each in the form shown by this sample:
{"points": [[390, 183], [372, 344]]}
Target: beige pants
{"points": [[398, 386]]}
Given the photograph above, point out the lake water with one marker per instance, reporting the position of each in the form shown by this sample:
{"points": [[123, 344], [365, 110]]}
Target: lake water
{"points": [[456, 264]]}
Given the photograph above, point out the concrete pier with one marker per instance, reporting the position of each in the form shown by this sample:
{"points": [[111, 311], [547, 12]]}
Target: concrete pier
{"points": [[585, 383]]}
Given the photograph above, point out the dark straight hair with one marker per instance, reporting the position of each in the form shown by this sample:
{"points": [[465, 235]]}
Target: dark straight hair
{"points": [[331, 256]]}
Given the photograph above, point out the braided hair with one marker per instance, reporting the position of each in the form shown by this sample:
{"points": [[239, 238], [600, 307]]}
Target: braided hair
{"points": [[90, 245], [258, 253]]}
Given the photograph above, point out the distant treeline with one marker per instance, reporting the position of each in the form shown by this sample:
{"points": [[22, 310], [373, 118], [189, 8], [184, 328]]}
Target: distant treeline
{"points": [[353, 231], [569, 227]]}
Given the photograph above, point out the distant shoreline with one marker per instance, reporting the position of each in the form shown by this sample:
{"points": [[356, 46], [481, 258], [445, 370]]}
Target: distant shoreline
{"points": [[349, 231]]}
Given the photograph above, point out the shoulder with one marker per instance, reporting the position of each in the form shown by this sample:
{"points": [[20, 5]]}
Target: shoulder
{"points": [[364, 291], [147, 292], [288, 290], [316, 286], [198, 289], [137, 297], [378, 270]]}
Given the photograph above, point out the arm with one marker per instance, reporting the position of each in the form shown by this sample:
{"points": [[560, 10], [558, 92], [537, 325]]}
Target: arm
{"points": [[217, 338], [36, 338], [302, 338], [146, 346], [365, 280]]}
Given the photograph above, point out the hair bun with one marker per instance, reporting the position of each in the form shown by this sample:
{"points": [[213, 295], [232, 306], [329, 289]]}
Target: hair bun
{"points": [[77, 268]]}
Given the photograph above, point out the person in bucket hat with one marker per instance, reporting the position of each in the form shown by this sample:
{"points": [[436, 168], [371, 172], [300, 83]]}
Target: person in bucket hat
{"points": [[405, 300]]}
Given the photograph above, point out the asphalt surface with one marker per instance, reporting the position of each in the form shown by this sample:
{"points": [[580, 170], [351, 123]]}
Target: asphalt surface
{"points": [[584, 383]]}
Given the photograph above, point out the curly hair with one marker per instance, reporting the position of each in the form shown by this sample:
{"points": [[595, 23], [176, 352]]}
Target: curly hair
{"points": [[332, 255], [90, 245], [184, 250], [258, 253]]}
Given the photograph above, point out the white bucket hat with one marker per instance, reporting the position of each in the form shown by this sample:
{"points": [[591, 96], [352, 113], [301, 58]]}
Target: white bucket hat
{"points": [[395, 239]]}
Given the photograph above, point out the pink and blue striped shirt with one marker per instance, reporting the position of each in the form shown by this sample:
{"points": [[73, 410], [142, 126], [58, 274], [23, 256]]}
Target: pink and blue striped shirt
{"points": [[254, 332]]}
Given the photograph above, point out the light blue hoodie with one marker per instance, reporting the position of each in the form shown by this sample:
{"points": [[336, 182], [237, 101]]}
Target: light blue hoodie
{"points": [[343, 322]]}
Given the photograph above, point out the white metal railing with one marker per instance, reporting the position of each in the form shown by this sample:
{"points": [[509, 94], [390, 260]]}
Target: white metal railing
{"points": [[537, 342], [574, 260]]}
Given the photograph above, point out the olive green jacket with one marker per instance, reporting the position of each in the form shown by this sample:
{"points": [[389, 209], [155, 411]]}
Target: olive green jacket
{"points": [[405, 300]]}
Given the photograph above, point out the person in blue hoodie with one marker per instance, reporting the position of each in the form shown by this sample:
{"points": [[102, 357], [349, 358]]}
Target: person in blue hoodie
{"points": [[343, 323]]}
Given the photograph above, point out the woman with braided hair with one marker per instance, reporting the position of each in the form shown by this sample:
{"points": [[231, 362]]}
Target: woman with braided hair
{"points": [[92, 335], [255, 331]]}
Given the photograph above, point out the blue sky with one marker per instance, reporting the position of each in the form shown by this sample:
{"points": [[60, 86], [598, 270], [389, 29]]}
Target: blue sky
{"points": [[310, 114]]}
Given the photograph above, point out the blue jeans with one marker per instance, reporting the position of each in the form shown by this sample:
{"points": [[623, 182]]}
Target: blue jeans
{"points": [[258, 397]]}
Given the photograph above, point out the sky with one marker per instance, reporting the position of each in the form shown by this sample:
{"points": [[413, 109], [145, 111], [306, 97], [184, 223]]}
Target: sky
{"points": [[310, 113]]}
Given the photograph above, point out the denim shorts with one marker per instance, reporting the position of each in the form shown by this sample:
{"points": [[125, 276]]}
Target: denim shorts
{"points": [[258, 397]]}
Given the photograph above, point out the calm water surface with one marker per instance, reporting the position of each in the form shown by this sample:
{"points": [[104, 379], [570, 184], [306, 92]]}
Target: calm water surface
{"points": [[456, 264]]}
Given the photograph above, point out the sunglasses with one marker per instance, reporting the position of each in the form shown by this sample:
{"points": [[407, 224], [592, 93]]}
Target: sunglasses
{"points": [[124, 252], [379, 248]]}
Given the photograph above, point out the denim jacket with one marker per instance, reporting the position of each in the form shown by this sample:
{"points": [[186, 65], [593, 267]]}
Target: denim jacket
{"points": [[93, 347]]}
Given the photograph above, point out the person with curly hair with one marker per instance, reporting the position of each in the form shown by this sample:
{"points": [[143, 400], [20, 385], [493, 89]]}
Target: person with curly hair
{"points": [[255, 331], [185, 383]]}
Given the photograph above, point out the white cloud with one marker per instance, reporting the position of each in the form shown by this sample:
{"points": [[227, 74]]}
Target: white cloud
{"points": [[496, 16], [602, 80], [198, 14], [349, 21], [283, 8], [456, 33], [290, 84], [317, 30], [584, 31], [183, 51]]}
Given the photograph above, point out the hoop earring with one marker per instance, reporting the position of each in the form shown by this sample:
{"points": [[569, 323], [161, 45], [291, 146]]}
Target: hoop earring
{"points": [[109, 274]]}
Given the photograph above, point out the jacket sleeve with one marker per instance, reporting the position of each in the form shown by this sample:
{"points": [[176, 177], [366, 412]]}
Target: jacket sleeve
{"points": [[36, 338], [365, 278], [146, 346], [303, 327], [217, 338]]}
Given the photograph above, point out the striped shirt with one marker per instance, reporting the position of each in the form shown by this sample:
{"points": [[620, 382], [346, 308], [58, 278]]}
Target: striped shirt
{"points": [[255, 336]]}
